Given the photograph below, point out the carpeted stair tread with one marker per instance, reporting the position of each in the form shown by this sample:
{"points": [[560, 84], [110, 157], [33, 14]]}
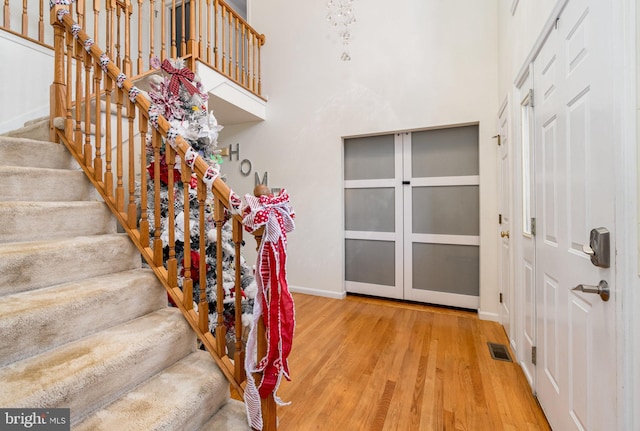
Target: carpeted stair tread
{"points": [[36, 154], [35, 129], [31, 265], [44, 184], [34, 221], [182, 397], [231, 417], [39, 320], [91, 372]]}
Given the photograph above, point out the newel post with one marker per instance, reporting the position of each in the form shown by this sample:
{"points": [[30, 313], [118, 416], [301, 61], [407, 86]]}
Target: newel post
{"points": [[58, 89], [269, 407]]}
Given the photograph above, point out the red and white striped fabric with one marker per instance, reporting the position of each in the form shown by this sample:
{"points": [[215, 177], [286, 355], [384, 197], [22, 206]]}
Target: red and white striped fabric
{"points": [[273, 302]]}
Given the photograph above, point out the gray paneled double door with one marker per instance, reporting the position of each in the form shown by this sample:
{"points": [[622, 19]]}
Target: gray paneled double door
{"points": [[411, 216]]}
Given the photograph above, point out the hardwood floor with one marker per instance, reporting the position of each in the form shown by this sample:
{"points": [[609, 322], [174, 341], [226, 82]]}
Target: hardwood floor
{"points": [[369, 364]]}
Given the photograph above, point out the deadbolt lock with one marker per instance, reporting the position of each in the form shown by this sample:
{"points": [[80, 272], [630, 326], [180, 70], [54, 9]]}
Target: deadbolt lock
{"points": [[504, 234]]}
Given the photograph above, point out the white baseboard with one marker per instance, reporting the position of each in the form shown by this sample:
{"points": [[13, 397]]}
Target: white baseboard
{"points": [[484, 315], [318, 292]]}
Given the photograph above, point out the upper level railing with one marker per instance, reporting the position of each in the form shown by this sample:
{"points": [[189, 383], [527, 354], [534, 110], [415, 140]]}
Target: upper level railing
{"points": [[133, 32], [113, 130]]}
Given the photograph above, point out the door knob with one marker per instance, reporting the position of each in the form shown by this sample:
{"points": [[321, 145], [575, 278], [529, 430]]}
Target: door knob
{"points": [[601, 289], [504, 234]]}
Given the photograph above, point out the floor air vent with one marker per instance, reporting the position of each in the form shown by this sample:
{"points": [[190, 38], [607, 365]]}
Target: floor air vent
{"points": [[499, 352]]}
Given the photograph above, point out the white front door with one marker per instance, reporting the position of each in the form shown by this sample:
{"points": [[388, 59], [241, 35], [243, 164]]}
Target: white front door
{"points": [[576, 332], [505, 280]]}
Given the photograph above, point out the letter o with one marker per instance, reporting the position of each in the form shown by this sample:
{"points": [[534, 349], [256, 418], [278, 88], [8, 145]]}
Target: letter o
{"points": [[245, 171]]}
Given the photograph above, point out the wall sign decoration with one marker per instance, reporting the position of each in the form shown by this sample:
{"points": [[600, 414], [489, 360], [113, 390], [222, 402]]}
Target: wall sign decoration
{"points": [[246, 167]]}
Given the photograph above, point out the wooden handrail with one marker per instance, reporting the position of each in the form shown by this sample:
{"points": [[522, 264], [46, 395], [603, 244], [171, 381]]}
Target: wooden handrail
{"points": [[217, 35], [88, 85]]}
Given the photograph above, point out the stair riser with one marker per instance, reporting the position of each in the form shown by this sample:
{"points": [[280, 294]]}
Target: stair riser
{"points": [[33, 322], [35, 154], [43, 185], [94, 371], [28, 266], [37, 221]]}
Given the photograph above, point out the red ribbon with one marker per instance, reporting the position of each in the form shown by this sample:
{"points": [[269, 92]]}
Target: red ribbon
{"points": [[184, 76]]}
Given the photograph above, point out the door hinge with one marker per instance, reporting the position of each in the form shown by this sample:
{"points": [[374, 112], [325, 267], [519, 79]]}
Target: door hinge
{"points": [[533, 226], [531, 104], [500, 297], [534, 355], [499, 218]]}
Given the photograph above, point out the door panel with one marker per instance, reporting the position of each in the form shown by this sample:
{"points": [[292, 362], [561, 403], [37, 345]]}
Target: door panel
{"points": [[575, 187], [441, 216], [373, 216]]}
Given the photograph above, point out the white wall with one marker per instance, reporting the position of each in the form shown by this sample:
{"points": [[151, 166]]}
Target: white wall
{"points": [[519, 25], [417, 64], [24, 92]]}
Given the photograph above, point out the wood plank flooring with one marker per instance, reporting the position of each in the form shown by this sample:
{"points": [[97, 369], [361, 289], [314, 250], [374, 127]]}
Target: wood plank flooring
{"points": [[369, 364]]}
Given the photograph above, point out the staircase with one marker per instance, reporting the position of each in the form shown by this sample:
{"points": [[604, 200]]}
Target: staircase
{"points": [[84, 326]]}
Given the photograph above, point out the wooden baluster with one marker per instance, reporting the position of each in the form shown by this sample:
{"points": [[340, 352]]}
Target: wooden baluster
{"points": [[41, 23], [157, 226], [239, 371], [236, 41], [203, 304], [118, 45], [183, 29], [126, 63], [187, 283], [152, 27], [80, 13], [140, 65], [119, 155], [213, 46], [7, 15], [96, 21], [221, 333], [88, 150], [191, 45], [208, 49], [163, 50], [245, 50], [79, 50], [230, 49], [261, 41], [109, 32], [59, 89], [200, 31], [223, 45], [144, 222], [25, 19], [108, 173], [269, 407], [68, 122], [252, 83], [132, 210], [172, 265], [97, 162], [174, 49]]}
